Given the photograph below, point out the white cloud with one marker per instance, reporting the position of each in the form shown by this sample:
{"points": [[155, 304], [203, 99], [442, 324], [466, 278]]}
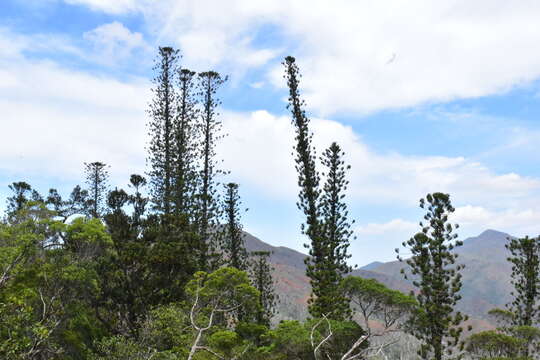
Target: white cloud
{"points": [[109, 6], [376, 241], [395, 225], [257, 85], [114, 42], [258, 153], [54, 119], [517, 222], [360, 56], [13, 45], [377, 178]]}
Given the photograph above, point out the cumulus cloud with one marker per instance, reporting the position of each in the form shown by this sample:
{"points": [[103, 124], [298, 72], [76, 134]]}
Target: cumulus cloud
{"points": [[54, 119], [258, 152], [360, 56], [517, 222], [114, 42], [382, 178]]}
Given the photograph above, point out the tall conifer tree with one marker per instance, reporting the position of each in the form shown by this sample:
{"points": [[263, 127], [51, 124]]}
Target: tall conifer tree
{"points": [[210, 133], [97, 176], [326, 216], [185, 156], [336, 233], [525, 259], [435, 274], [234, 246], [162, 112]]}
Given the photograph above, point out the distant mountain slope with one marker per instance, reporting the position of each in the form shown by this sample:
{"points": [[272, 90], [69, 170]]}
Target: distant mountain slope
{"points": [[486, 277], [292, 283], [371, 265]]}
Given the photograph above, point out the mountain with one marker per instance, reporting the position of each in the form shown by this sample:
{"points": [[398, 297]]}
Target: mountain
{"points": [[292, 284], [486, 277], [371, 265]]}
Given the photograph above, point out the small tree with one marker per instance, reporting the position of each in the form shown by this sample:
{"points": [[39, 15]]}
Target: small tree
{"points": [[493, 344], [372, 301], [525, 259], [97, 176], [234, 246], [22, 193], [438, 279], [261, 275], [222, 292]]}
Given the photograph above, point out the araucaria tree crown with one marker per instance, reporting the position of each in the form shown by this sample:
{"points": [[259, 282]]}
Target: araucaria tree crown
{"points": [[434, 272]]}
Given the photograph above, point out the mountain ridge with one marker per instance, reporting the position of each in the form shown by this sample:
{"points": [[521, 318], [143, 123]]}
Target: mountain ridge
{"points": [[486, 277]]}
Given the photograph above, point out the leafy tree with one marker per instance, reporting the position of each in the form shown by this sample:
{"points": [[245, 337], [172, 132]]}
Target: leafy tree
{"points": [[372, 301], [221, 292], [313, 340], [162, 132], [261, 275], [209, 128], [493, 344], [438, 279], [23, 193], [234, 246], [42, 303], [507, 341], [326, 215], [288, 341], [77, 203], [97, 176], [525, 259]]}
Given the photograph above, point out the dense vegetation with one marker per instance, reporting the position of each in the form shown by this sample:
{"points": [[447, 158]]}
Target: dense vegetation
{"points": [[160, 270]]}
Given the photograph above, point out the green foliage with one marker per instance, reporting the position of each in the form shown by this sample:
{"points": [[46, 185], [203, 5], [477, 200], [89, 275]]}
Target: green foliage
{"points": [[294, 340], [504, 318], [374, 301], [122, 348], [185, 145], [525, 259], [289, 341], [162, 112], [96, 180], [234, 248], [22, 194], [207, 209], [261, 275], [491, 344], [222, 291], [437, 278], [44, 299]]}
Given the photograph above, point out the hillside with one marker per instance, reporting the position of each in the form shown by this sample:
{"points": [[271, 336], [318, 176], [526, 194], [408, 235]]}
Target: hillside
{"points": [[486, 277]]}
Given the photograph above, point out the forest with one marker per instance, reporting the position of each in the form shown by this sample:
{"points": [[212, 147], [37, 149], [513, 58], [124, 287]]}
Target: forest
{"points": [[160, 270]]}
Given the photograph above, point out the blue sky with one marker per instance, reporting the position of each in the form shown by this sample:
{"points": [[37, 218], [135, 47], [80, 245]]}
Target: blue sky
{"points": [[422, 96]]}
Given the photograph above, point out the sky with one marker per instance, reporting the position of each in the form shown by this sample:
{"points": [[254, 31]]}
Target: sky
{"points": [[423, 96]]}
